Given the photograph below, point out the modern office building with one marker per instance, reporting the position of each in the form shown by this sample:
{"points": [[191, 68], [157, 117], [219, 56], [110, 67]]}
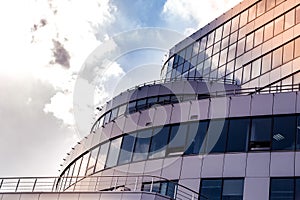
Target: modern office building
{"points": [[222, 123]]}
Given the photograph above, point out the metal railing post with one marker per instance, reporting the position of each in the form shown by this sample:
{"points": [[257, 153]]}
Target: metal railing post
{"points": [[17, 185], [135, 184], [151, 186], [33, 187]]}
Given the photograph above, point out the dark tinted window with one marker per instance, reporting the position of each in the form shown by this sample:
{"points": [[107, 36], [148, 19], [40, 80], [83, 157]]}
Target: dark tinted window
{"points": [[142, 145], [284, 129], [159, 142], [282, 188], [233, 189], [260, 134], [237, 135], [211, 189], [298, 132], [177, 139], [127, 149], [195, 138], [216, 136]]}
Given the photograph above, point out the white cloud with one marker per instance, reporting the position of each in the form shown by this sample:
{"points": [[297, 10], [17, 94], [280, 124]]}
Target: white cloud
{"points": [[195, 12]]}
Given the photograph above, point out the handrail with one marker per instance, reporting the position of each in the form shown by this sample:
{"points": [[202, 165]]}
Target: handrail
{"points": [[91, 184]]}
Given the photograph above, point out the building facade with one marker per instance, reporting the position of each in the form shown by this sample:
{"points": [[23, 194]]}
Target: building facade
{"points": [[222, 123]]}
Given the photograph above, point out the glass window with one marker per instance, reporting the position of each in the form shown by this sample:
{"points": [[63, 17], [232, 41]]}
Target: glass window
{"points": [[141, 104], [289, 19], [231, 52], [233, 37], [215, 62], [203, 43], [196, 48], [164, 99], [249, 41], [206, 68], [277, 58], [246, 73], [261, 7], [92, 161], [235, 24], [195, 138], [107, 117], [151, 101], [210, 39], [131, 107], [208, 52], [127, 149], [142, 145], [237, 135], [298, 15], [288, 50], [298, 133], [270, 4], [258, 38], [177, 139], [217, 47], [223, 57], [77, 166], [255, 70], [240, 47], [186, 66], [211, 189], [279, 23], [297, 47], [284, 128], [114, 113], [297, 188], [122, 110], [102, 157], [189, 50], [216, 136], [268, 31], [201, 57], [230, 67], [225, 42], [159, 142], [282, 188], [260, 134], [218, 34], [252, 13], [193, 62], [244, 18], [83, 165], [226, 29], [113, 154], [266, 63], [238, 75], [233, 189]]}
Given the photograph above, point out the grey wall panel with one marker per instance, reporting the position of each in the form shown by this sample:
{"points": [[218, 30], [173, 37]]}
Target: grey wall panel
{"points": [[219, 107], [191, 167], [297, 164], [153, 90], [284, 103], [180, 112], [153, 167], [131, 122], [258, 164], [256, 188], [282, 164], [171, 168], [162, 115], [262, 104], [68, 196], [118, 126], [142, 92], [89, 196], [240, 106], [234, 165], [146, 118], [212, 166]]}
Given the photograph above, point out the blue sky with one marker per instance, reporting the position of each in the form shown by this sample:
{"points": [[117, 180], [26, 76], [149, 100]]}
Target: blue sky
{"points": [[44, 45]]}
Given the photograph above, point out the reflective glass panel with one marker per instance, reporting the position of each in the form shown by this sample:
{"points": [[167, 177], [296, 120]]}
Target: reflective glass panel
{"points": [[284, 128], [127, 149], [142, 145], [237, 135], [260, 134], [114, 151], [177, 139], [282, 188], [102, 156], [195, 138], [216, 136], [159, 142], [233, 189], [211, 189]]}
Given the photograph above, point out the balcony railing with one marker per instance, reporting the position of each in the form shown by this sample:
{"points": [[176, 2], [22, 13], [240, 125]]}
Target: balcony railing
{"points": [[97, 184]]}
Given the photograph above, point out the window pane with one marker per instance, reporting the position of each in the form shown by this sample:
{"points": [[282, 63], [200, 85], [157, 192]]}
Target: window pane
{"points": [[241, 47], [289, 19], [266, 63], [279, 25], [233, 189], [92, 161], [297, 47], [268, 31], [235, 23], [260, 134], [255, 70], [196, 48], [195, 138], [246, 73], [277, 58], [282, 189], [270, 4], [258, 36], [218, 34], [233, 37], [177, 139], [102, 157], [244, 18], [297, 188], [122, 110], [225, 43], [249, 41], [216, 136], [284, 129], [226, 29], [142, 145], [223, 57], [210, 39], [127, 148], [211, 189], [298, 132], [114, 113], [217, 47], [261, 7], [159, 142], [237, 135], [113, 154], [203, 43], [252, 12], [83, 165], [171, 189], [298, 15], [231, 52], [288, 50]]}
